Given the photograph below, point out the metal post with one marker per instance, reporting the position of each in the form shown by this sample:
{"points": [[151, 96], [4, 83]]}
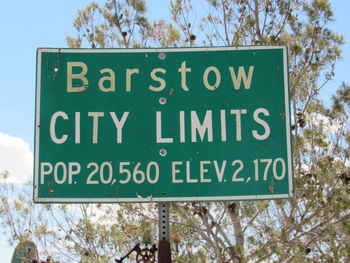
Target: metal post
{"points": [[164, 251]]}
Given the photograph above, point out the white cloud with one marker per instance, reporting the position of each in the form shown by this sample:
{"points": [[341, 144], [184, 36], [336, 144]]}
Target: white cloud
{"points": [[16, 158], [330, 127]]}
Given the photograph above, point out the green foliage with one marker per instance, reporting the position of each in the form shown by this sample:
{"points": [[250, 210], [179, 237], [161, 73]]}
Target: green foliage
{"points": [[313, 226]]}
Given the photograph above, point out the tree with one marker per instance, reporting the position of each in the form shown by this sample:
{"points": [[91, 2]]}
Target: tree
{"points": [[313, 226]]}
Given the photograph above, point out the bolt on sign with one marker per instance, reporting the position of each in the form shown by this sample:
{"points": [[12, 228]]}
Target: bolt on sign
{"points": [[152, 125]]}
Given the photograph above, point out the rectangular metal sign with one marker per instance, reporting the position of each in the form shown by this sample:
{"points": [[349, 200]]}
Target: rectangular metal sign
{"points": [[151, 125]]}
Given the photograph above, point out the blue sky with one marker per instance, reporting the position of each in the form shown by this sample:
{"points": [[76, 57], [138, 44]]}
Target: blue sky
{"points": [[25, 26]]}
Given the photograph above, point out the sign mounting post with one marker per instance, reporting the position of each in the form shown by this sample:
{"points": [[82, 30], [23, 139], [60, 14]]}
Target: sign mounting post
{"points": [[164, 251]]}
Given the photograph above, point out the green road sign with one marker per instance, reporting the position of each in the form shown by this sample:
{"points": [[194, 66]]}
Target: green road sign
{"points": [[151, 125]]}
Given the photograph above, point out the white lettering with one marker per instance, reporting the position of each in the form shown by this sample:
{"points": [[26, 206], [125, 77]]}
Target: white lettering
{"points": [[238, 123], [63, 174], [188, 173], [183, 71], [201, 128], [220, 172], [175, 171], [160, 139], [44, 171], [223, 125], [130, 72], [203, 171], [110, 78], [77, 127], [73, 169], [95, 116], [160, 80], [119, 124], [242, 75], [54, 117], [263, 123], [80, 76], [182, 126], [217, 78]]}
